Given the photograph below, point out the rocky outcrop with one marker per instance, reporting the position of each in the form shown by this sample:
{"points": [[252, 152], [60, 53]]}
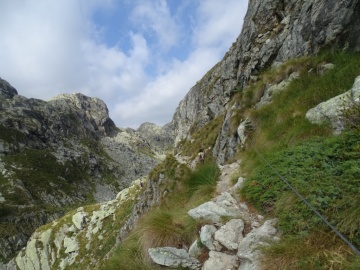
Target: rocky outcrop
{"points": [[273, 32], [161, 138]]}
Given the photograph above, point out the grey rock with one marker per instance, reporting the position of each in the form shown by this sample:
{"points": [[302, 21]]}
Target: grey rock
{"points": [[249, 248], [173, 257], [220, 261], [208, 211], [195, 248], [79, 220], [92, 157], [206, 236], [331, 111], [273, 32], [225, 206], [274, 89], [230, 234], [6, 90], [71, 245], [243, 130], [161, 138], [11, 265]]}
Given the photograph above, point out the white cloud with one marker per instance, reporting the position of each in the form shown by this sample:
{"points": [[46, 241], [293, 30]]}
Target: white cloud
{"points": [[219, 23], [154, 18], [115, 73]]}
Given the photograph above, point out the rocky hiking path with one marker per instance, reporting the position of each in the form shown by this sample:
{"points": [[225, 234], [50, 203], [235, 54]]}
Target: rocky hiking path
{"points": [[232, 236], [228, 172]]}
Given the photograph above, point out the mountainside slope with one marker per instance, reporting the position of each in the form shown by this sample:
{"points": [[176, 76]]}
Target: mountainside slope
{"points": [[57, 154], [273, 32]]}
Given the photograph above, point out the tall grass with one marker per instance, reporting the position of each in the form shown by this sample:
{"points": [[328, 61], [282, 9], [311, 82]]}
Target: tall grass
{"points": [[169, 224]]}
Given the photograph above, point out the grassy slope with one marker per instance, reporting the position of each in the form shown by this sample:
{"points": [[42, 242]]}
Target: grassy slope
{"points": [[324, 168]]}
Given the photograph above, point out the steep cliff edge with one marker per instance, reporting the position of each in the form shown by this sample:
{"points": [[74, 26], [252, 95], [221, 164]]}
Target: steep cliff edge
{"points": [[273, 32]]}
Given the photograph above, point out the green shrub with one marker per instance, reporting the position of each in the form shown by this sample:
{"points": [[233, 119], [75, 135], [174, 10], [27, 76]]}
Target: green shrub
{"points": [[205, 175], [326, 172]]}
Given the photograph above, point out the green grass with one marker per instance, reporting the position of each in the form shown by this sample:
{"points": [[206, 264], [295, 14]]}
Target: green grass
{"points": [[322, 167], [325, 171]]}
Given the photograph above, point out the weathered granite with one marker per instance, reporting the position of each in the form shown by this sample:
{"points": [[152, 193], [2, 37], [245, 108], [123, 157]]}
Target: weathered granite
{"points": [[230, 234], [331, 111], [206, 236], [173, 257]]}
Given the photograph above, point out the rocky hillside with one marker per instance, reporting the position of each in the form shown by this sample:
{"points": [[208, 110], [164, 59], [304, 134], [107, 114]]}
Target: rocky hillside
{"points": [[57, 154], [273, 32]]}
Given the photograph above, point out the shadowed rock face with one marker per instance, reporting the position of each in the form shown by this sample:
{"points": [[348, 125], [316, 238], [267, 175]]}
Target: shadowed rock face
{"points": [[273, 31], [63, 152]]}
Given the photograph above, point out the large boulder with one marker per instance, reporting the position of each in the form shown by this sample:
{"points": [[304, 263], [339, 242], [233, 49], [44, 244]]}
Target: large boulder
{"points": [[249, 248], [331, 111], [230, 234], [224, 206], [218, 260], [173, 257]]}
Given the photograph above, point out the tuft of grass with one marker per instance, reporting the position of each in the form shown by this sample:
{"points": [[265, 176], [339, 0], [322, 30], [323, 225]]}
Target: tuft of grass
{"points": [[319, 250], [206, 175], [326, 172], [129, 256], [169, 224], [167, 227], [11, 135]]}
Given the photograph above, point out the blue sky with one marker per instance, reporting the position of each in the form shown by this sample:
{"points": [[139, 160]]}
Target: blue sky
{"points": [[140, 57]]}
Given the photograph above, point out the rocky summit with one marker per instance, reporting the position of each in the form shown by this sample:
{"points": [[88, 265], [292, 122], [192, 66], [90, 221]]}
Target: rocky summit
{"points": [[76, 191]]}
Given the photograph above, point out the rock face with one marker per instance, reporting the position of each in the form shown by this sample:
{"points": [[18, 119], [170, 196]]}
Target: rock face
{"points": [[63, 152], [273, 32], [161, 138]]}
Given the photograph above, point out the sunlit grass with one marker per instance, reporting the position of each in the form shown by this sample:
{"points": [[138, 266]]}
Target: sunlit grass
{"points": [[323, 168]]}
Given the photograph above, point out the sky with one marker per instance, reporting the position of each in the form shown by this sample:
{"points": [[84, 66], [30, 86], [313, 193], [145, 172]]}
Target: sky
{"points": [[140, 57]]}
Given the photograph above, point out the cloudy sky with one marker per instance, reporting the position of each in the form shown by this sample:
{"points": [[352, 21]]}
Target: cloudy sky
{"points": [[139, 56]]}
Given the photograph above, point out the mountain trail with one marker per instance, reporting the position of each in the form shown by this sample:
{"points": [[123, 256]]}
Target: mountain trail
{"points": [[228, 172]]}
